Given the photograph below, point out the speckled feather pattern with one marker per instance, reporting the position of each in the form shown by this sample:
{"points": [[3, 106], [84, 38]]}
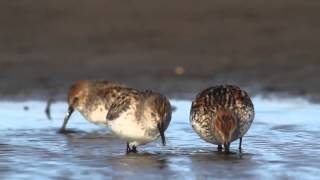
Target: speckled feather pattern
{"points": [[135, 115], [94, 98], [209, 101], [102, 92]]}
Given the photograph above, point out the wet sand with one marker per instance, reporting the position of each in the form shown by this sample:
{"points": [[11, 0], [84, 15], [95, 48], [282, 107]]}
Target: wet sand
{"points": [[282, 143], [262, 46]]}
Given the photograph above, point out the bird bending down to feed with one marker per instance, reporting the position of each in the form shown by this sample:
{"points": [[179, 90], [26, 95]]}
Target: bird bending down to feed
{"points": [[221, 115], [92, 99], [139, 117]]}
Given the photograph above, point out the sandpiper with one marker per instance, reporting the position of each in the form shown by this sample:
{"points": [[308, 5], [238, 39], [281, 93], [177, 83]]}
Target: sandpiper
{"points": [[222, 114], [139, 117], [92, 99]]}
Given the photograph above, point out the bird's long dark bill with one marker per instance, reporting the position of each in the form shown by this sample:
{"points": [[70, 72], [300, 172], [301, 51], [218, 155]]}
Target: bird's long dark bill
{"points": [[70, 111], [163, 138]]}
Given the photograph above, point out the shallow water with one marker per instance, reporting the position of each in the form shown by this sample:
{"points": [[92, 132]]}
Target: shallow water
{"points": [[282, 143]]}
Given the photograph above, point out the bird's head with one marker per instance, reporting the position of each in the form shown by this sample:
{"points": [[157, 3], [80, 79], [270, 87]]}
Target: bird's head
{"points": [[78, 94]]}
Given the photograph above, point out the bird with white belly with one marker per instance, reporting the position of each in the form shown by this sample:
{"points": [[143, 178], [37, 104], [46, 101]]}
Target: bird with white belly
{"points": [[139, 117]]}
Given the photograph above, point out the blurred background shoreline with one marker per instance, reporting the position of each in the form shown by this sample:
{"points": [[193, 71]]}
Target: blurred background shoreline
{"points": [[175, 47]]}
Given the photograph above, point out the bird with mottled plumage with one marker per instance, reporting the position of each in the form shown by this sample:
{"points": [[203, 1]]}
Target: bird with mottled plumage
{"points": [[221, 115], [92, 98], [139, 117]]}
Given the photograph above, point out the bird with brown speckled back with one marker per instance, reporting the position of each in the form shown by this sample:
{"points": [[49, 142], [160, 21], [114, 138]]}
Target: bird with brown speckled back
{"points": [[92, 98], [221, 115]]}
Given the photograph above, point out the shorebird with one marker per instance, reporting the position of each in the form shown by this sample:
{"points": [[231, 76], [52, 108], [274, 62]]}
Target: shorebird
{"points": [[221, 115], [139, 117], [92, 99]]}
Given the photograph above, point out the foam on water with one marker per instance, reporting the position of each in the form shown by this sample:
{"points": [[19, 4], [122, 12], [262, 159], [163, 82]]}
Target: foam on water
{"points": [[282, 143]]}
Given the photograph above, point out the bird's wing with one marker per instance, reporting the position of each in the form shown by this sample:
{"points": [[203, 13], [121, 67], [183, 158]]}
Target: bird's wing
{"points": [[122, 103]]}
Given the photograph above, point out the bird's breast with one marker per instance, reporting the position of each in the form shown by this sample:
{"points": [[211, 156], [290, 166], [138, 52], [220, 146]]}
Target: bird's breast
{"points": [[96, 115], [130, 128]]}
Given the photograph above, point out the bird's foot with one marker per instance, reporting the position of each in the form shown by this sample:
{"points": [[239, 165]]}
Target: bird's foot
{"points": [[131, 150], [240, 150], [62, 131], [67, 131], [227, 148]]}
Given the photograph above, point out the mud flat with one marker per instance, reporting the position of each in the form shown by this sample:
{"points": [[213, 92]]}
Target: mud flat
{"points": [[264, 47]]}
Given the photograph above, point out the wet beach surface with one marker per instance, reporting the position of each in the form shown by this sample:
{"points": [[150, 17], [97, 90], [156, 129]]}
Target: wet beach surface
{"points": [[282, 143]]}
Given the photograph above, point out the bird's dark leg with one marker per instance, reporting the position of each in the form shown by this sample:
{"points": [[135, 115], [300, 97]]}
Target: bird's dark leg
{"points": [[219, 148], [63, 128], [226, 147], [48, 107], [240, 143], [133, 149], [128, 148]]}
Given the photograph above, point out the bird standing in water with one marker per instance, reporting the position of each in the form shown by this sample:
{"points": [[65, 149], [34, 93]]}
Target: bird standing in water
{"points": [[221, 115], [139, 117], [92, 99]]}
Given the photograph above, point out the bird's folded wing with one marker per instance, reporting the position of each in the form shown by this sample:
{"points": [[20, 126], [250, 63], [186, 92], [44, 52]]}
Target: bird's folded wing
{"points": [[120, 105]]}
